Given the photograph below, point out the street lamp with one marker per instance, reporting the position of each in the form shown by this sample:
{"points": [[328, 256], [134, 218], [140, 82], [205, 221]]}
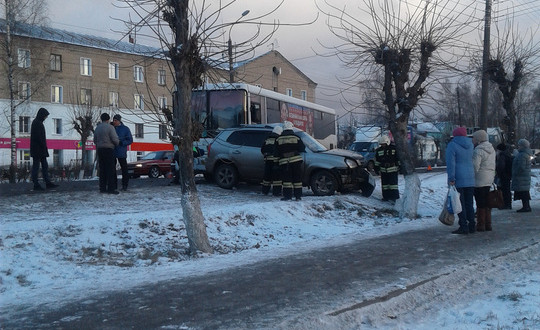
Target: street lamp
{"points": [[229, 44]]}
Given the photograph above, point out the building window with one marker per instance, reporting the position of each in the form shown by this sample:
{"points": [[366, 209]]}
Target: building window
{"points": [[57, 126], [58, 159], [163, 132], [139, 102], [139, 131], [23, 58], [56, 62], [86, 96], [288, 91], [56, 94], [114, 70], [138, 73], [303, 95], [162, 77], [162, 100], [24, 90], [86, 66], [113, 99], [24, 124], [24, 157]]}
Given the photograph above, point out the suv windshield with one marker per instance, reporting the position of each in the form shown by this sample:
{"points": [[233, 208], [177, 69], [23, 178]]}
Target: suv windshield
{"points": [[310, 142]]}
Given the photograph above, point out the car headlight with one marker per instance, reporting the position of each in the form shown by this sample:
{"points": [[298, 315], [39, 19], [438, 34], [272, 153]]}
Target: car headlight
{"points": [[138, 165], [351, 163]]}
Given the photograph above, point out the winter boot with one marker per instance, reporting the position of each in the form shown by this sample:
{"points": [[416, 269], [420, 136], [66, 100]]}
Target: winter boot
{"points": [[526, 206], [480, 219], [488, 219]]}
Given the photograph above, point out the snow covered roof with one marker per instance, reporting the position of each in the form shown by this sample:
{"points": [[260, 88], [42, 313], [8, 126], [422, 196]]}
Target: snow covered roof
{"points": [[427, 128], [68, 37]]}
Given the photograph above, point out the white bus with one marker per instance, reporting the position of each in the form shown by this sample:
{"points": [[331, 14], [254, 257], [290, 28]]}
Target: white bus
{"points": [[219, 106]]}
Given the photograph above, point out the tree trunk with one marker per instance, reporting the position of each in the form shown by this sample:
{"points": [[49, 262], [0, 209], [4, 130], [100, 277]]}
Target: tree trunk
{"points": [[12, 107]]}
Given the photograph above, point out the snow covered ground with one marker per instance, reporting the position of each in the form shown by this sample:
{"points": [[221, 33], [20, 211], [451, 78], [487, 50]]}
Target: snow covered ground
{"points": [[57, 247]]}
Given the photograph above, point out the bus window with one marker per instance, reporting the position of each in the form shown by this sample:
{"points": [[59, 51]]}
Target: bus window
{"points": [[227, 109], [255, 109], [198, 106], [272, 110]]}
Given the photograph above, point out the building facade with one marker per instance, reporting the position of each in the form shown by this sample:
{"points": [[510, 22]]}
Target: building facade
{"points": [[71, 74]]}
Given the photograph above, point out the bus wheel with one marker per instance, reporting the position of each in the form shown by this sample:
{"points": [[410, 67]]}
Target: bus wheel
{"points": [[323, 183], [226, 176]]}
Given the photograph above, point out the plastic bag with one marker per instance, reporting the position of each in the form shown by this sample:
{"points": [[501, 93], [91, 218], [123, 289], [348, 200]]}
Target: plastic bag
{"points": [[452, 202], [446, 217]]}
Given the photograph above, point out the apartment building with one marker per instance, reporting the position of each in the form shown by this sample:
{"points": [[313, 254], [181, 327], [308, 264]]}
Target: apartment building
{"points": [[68, 73]]}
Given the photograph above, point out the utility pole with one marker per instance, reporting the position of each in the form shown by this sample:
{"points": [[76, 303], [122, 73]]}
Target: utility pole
{"points": [[485, 60]]}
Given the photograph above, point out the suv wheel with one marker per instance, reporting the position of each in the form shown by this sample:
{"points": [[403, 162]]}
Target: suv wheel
{"points": [[323, 183], [226, 176], [154, 172]]}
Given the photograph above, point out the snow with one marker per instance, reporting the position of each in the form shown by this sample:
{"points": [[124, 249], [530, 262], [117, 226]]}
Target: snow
{"points": [[59, 249]]}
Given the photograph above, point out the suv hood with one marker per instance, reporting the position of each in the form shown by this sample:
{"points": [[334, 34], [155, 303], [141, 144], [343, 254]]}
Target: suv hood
{"points": [[343, 153]]}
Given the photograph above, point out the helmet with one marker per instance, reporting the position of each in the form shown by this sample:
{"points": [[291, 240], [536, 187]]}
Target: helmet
{"points": [[288, 125], [384, 139], [278, 130]]}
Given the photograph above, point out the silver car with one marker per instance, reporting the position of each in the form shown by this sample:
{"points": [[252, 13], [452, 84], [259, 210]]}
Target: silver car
{"points": [[235, 155]]}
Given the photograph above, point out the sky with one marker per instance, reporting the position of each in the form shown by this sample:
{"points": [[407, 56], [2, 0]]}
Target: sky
{"points": [[56, 250], [301, 45]]}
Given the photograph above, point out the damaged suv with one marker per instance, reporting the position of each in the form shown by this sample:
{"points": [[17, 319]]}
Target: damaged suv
{"points": [[235, 155]]}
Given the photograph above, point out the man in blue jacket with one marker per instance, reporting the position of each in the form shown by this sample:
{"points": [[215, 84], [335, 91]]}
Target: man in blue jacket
{"points": [[120, 151], [460, 171]]}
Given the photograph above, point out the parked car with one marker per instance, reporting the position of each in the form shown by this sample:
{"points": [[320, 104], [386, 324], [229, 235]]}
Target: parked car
{"points": [[367, 150], [154, 164], [235, 155]]}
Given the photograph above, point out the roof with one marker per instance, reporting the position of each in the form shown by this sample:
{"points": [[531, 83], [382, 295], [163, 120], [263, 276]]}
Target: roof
{"points": [[68, 37]]}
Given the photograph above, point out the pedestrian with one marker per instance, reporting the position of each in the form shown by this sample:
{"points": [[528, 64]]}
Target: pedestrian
{"points": [[272, 176], [521, 175], [106, 140], [503, 170], [484, 163], [460, 171], [289, 148], [387, 165], [39, 151], [120, 151]]}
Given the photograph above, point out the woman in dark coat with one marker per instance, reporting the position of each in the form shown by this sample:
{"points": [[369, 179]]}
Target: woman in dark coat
{"points": [[521, 175], [504, 173], [39, 151]]}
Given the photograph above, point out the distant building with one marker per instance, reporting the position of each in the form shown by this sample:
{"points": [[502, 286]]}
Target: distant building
{"points": [[62, 70]]}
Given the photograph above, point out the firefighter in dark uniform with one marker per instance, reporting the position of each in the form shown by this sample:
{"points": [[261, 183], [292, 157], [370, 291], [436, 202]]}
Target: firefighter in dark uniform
{"points": [[272, 175], [288, 149], [387, 165]]}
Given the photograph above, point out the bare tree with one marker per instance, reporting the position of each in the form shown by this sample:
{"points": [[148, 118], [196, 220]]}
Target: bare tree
{"points": [[192, 34], [16, 12], [400, 40], [512, 62]]}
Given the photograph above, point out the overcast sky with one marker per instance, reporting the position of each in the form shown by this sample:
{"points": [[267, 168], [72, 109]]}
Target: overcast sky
{"points": [[298, 44]]}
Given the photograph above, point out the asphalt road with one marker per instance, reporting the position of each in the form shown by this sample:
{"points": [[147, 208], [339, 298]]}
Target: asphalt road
{"points": [[260, 295]]}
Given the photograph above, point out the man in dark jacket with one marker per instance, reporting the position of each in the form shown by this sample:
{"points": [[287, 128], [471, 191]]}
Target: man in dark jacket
{"points": [[120, 151], [387, 164], [39, 151], [504, 173], [272, 176], [288, 149]]}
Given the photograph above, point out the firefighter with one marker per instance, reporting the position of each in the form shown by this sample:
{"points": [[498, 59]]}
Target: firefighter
{"points": [[272, 175], [288, 149], [387, 165]]}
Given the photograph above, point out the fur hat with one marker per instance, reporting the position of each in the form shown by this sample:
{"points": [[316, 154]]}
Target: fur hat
{"points": [[288, 125], [384, 139], [522, 143], [480, 136], [459, 131], [277, 130]]}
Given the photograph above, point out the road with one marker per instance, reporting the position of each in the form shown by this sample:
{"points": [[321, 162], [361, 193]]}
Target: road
{"points": [[325, 284]]}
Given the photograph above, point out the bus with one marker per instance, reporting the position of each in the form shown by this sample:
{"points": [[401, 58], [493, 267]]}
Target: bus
{"points": [[219, 106]]}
